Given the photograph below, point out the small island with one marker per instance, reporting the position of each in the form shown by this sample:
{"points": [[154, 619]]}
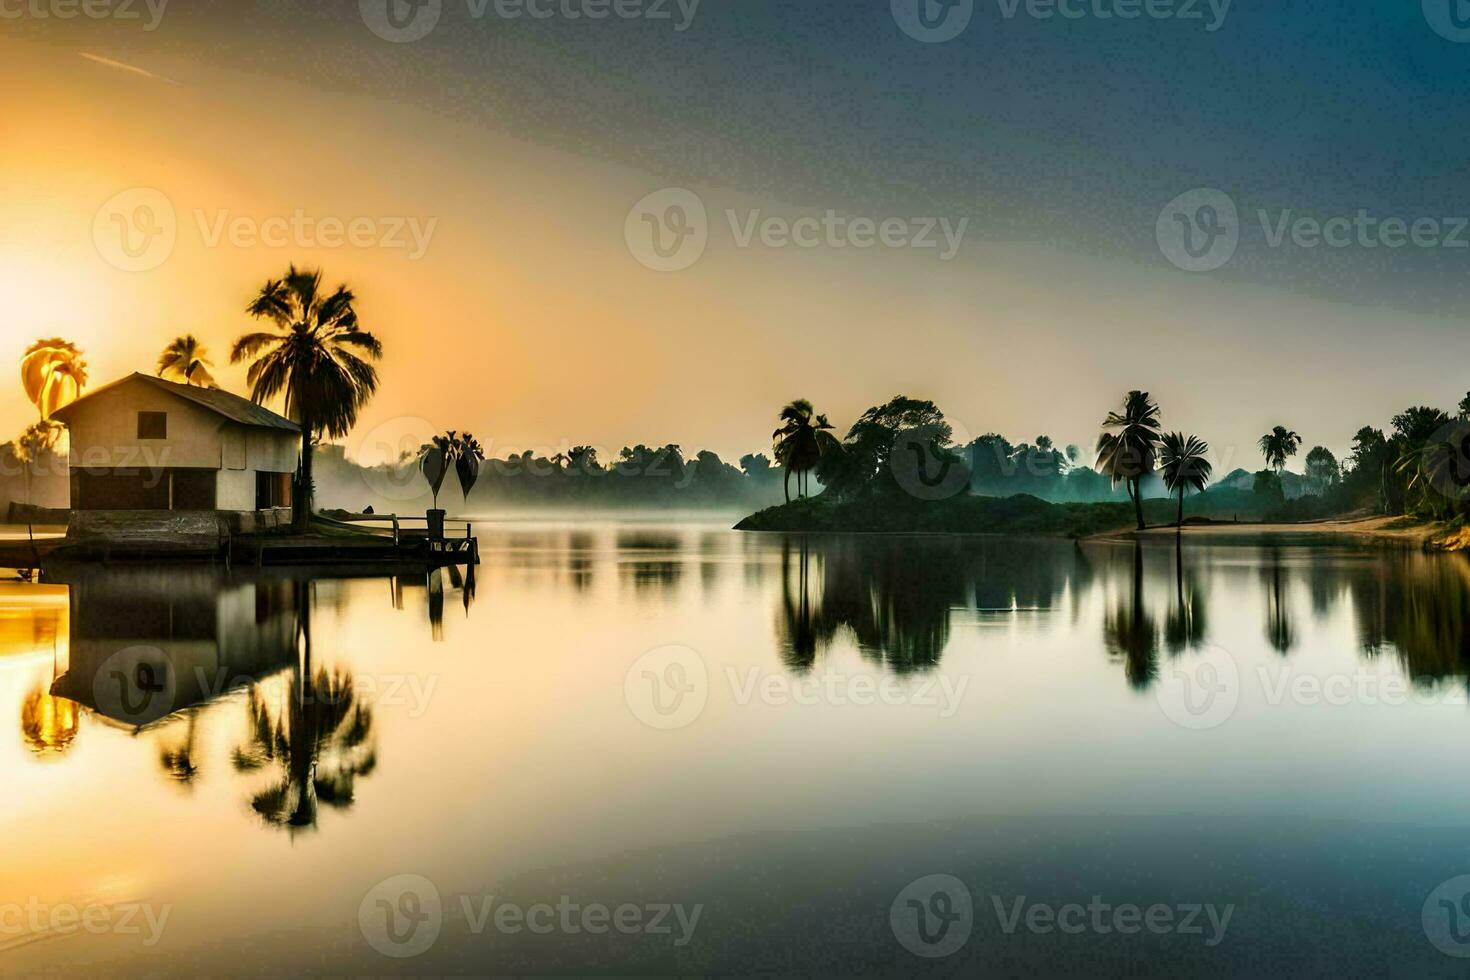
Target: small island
{"points": [[900, 470]]}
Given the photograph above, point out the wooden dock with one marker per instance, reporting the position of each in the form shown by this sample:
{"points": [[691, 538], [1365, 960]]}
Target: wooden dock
{"points": [[388, 542]]}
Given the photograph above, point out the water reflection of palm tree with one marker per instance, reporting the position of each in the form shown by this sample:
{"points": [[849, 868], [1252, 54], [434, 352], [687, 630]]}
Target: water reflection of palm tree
{"points": [[48, 724], [1130, 633], [1280, 631], [319, 742], [799, 649], [179, 762], [1185, 625], [896, 597]]}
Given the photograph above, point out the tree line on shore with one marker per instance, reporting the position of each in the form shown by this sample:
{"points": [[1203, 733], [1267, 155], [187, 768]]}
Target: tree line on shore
{"points": [[318, 362], [1420, 466]]}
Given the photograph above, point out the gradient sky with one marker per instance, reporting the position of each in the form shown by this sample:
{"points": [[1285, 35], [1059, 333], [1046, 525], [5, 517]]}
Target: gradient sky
{"points": [[529, 321]]}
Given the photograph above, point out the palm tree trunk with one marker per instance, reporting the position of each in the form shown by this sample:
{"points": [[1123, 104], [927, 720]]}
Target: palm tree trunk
{"points": [[1180, 524], [786, 483], [1135, 490], [30, 517], [302, 515]]}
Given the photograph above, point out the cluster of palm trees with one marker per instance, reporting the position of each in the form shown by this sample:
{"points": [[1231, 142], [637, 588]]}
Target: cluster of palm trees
{"points": [[800, 443], [1133, 445]]}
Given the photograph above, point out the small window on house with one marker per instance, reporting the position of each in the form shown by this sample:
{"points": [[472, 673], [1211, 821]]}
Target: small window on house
{"points": [[152, 425]]}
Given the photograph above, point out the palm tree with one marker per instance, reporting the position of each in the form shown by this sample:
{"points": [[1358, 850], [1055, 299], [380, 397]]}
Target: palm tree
{"points": [[801, 441], [1277, 446], [1184, 467], [54, 372], [186, 359], [318, 357], [1127, 450]]}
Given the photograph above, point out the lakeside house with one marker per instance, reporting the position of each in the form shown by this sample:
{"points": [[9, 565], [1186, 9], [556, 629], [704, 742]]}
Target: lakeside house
{"points": [[142, 448]]}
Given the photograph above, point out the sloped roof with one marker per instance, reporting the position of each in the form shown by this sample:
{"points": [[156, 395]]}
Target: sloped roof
{"points": [[217, 400]]}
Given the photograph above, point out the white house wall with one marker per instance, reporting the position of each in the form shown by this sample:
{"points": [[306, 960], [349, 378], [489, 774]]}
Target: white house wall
{"points": [[103, 434], [235, 490], [104, 431]]}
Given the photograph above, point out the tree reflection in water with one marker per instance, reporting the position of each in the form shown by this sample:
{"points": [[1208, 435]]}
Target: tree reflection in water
{"points": [[1130, 634], [48, 725], [895, 595], [1280, 630], [1187, 624], [318, 742], [179, 761]]}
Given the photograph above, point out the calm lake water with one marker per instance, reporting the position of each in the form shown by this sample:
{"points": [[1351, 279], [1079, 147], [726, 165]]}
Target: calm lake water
{"points": [[657, 748]]}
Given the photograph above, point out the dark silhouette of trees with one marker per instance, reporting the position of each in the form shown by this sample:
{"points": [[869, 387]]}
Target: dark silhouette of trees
{"points": [[1184, 466], [318, 357], [186, 360], [1127, 449], [801, 441], [1279, 445]]}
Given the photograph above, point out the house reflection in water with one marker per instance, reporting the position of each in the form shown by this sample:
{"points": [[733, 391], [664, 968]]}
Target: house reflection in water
{"points": [[146, 643]]}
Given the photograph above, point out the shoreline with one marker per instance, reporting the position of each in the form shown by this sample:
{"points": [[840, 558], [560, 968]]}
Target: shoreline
{"points": [[1431, 535]]}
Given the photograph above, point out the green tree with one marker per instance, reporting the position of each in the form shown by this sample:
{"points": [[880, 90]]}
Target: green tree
{"points": [[1323, 473], [1268, 487], [1127, 449], [1184, 467], [1415, 434], [800, 443], [186, 360], [318, 357], [1279, 445], [866, 463]]}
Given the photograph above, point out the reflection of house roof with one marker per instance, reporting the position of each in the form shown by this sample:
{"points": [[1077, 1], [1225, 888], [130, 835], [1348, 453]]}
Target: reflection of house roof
{"points": [[217, 400]]}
